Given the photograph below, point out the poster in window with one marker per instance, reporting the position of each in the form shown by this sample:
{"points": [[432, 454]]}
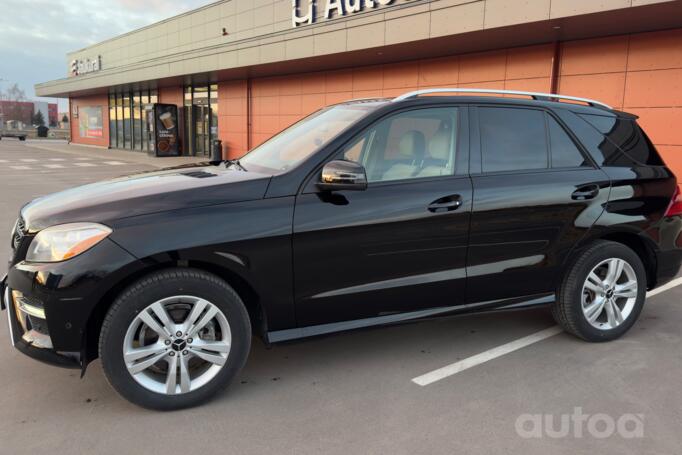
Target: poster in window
{"points": [[165, 126], [90, 121]]}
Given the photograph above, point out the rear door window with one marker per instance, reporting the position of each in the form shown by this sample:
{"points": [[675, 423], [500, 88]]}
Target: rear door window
{"points": [[512, 139]]}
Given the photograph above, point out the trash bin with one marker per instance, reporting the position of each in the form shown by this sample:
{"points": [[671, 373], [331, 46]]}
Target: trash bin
{"points": [[217, 151], [42, 131]]}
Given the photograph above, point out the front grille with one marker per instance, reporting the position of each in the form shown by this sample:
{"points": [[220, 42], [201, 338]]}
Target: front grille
{"points": [[18, 233]]}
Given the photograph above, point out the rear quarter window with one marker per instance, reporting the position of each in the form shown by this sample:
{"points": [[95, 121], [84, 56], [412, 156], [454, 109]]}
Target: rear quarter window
{"points": [[623, 137]]}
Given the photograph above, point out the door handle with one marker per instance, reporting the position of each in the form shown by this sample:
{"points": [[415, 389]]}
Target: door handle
{"points": [[585, 192], [445, 204]]}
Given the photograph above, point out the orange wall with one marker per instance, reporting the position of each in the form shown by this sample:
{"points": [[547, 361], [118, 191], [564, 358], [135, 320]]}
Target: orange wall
{"points": [[171, 95], [232, 118], [280, 101], [101, 101], [640, 73]]}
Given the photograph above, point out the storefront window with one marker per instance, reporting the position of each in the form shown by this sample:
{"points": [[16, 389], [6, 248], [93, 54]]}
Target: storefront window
{"points": [[112, 120], [90, 121], [213, 93], [127, 133], [128, 118], [137, 121], [119, 121], [188, 96], [145, 128]]}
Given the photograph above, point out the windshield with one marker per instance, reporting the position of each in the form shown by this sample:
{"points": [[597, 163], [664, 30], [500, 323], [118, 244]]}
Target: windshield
{"points": [[296, 143]]}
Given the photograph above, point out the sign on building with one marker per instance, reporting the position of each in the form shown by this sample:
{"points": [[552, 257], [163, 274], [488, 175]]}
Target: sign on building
{"points": [[86, 66], [304, 12]]}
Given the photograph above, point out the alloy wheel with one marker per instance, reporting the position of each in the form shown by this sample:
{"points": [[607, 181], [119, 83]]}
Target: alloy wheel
{"points": [[177, 344], [609, 294]]}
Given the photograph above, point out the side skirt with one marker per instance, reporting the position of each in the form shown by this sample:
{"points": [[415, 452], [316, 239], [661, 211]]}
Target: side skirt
{"points": [[323, 329]]}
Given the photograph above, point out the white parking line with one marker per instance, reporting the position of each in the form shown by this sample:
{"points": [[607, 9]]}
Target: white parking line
{"points": [[84, 164], [114, 163], [54, 166], [499, 351], [57, 159], [28, 160], [674, 283], [21, 168]]}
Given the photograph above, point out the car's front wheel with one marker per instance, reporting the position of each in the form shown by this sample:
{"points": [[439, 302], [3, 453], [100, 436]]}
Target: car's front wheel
{"points": [[603, 292], [174, 339]]}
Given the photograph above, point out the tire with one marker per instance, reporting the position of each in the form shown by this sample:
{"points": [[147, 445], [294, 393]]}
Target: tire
{"points": [[179, 292], [577, 307]]}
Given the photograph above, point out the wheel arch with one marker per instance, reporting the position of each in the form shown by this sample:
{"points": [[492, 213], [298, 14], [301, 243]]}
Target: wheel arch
{"points": [[636, 241], [241, 285]]}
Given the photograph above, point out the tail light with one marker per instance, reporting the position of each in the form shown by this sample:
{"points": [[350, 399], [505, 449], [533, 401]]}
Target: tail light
{"points": [[675, 207]]}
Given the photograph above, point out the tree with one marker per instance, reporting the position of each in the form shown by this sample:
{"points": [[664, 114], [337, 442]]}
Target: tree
{"points": [[14, 110], [65, 119], [38, 119], [13, 93]]}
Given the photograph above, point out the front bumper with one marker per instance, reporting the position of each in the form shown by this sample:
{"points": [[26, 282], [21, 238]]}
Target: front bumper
{"points": [[49, 305], [31, 342]]}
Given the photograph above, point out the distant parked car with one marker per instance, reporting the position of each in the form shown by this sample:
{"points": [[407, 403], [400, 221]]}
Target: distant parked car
{"points": [[18, 135], [363, 214]]}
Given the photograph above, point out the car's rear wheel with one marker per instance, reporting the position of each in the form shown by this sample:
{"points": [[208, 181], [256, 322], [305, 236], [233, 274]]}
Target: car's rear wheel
{"points": [[603, 292], [174, 339]]}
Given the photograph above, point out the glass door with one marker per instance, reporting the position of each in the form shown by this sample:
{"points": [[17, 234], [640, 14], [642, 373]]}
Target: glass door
{"points": [[201, 121], [202, 129]]}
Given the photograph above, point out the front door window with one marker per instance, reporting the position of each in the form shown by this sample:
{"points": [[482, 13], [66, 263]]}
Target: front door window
{"points": [[410, 145]]}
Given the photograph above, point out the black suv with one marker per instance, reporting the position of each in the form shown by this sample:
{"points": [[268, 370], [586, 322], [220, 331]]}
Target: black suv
{"points": [[365, 213]]}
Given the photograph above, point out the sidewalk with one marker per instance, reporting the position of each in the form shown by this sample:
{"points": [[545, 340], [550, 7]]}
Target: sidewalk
{"points": [[114, 154]]}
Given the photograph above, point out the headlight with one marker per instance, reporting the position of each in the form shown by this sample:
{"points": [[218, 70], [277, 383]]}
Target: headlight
{"points": [[59, 243]]}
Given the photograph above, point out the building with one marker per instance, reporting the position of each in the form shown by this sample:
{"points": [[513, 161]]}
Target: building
{"points": [[49, 111], [16, 112], [241, 70], [22, 112]]}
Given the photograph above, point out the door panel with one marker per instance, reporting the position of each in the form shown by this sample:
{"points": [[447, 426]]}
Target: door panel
{"points": [[380, 251], [401, 244], [526, 221], [524, 225]]}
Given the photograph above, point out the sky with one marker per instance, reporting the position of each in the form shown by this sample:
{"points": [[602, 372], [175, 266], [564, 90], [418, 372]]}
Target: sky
{"points": [[36, 35]]}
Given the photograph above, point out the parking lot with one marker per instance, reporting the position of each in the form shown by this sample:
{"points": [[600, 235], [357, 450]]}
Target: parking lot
{"points": [[373, 391]]}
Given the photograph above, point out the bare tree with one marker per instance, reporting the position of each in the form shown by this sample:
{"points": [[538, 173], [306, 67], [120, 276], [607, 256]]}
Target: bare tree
{"points": [[14, 111], [13, 93]]}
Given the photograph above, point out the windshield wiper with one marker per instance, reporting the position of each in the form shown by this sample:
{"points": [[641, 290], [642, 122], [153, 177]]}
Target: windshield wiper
{"points": [[237, 164]]}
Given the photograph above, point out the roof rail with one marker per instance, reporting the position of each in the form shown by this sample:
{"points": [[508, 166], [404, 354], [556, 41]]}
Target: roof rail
{"points": [[365, 100], [534, 95]]}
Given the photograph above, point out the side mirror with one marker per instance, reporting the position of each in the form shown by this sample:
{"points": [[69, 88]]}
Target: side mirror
{"points": [[343, 175]]}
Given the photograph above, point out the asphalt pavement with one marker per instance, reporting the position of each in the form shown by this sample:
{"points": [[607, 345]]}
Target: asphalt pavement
{"points": [[354, 392]]}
